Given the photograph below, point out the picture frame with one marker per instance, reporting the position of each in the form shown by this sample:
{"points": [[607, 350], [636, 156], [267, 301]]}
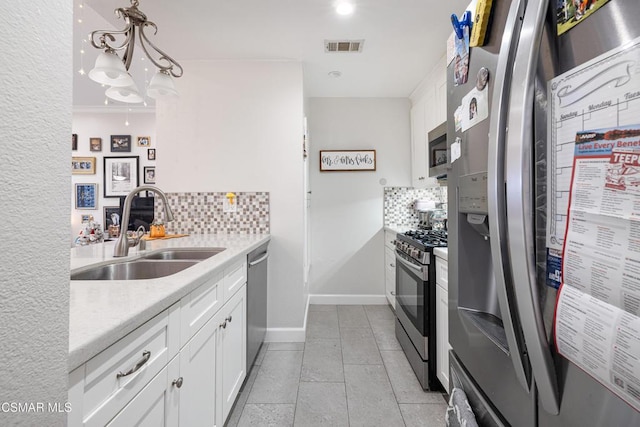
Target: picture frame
{"points": [[108, 220], [85, 218], [151, 154], [121, 175], [149, 174], [120, 143], [95, 144], [83, 165], [439, 157], [74, 141], [144, 141], [347, 160], [86, 196]]}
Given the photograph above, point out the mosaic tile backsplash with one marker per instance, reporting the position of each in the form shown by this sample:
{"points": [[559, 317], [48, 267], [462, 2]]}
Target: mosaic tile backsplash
{"points": [[202, 213], [398, 203]]}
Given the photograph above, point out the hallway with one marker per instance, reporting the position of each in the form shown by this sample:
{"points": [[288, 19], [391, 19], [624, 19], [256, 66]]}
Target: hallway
{"points": [[350, 372]]}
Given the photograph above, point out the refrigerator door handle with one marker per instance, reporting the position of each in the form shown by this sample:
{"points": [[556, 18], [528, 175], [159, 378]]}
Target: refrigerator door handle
{"points": [[519, 145], [496, 193]]}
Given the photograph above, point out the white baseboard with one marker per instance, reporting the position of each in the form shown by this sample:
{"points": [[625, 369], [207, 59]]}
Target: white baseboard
{"points": [[299, 334], [348, 299], [288, 334]]}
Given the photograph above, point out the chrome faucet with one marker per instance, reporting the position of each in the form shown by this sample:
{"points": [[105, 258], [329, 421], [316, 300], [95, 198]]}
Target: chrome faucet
{"points": [[124, 243]]}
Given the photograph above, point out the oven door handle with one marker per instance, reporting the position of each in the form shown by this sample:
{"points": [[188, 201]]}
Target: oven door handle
{"points": [[408, 264]]}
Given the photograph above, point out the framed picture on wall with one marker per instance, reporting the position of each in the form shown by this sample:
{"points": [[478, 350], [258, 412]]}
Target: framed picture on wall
{"points": [[83, 165], [74, 141], [111, 220], [149, 174], [151, 154], [86, 196], [120, 175], [120, 143], [144, 141], [95, 144]]}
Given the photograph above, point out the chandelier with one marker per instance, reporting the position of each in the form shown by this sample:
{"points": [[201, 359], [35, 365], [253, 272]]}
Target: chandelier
{"points": [[112, 71]]}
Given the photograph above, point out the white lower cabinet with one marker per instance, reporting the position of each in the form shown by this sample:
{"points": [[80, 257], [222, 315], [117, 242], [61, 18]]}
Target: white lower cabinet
{"points": [[149, 379], [442, 323], [154, 405], [390, 267], [233, 349]]}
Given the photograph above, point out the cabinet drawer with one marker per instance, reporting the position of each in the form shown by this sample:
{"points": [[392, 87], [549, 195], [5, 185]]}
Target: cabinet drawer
{"points": [[389, 260], [199, 306], [234, 277], [389, 239], [442, 273], [104, 392]]}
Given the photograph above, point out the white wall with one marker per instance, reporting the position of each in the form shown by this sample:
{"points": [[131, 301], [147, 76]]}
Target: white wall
{"points": [[35, 133], [237, 126], [347, 207], [102, 125]]}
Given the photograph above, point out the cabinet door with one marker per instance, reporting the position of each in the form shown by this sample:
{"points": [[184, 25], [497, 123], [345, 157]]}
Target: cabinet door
{"points": [[152, 406], [442, 333], [233, 349], [390, 275], [419, 176], [198, 397]]}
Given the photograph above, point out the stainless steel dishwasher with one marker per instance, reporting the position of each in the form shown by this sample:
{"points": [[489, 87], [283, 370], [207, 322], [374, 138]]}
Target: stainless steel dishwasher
{"points": [[256, 301]]}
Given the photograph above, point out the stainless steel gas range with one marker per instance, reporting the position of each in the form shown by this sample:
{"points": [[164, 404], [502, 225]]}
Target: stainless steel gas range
{"points": [[416, 301]]}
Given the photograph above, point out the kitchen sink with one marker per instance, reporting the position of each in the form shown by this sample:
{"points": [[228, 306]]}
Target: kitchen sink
{"points": [[132, 270], [184, 253]]}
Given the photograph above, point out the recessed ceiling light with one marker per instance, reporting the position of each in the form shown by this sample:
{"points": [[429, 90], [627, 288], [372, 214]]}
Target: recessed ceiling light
{"points": [[335, 74], [344, 8]]}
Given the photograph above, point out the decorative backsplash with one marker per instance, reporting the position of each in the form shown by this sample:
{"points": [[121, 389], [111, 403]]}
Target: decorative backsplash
{"points": [[202, 213], [398, 203]]}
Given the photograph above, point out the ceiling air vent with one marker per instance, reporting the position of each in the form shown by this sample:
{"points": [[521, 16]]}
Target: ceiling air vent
{"points": [[352, 46]]}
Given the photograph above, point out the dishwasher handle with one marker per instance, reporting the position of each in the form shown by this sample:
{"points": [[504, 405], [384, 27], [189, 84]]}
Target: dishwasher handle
{"points": [[258, 261]]}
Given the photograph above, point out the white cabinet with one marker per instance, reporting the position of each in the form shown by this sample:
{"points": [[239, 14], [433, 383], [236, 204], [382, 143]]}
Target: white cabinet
{"points": [[442, 322], [183, 367], [390, 267], [212, 366], [154, 405], [233, 349], [429, 110], [419, 171], [197, 394]]}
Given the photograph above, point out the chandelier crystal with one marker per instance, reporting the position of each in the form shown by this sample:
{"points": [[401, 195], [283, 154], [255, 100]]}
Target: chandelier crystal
{"points": [[111, 70]]}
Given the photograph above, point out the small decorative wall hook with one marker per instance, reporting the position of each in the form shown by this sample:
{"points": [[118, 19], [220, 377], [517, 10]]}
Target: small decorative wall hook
{"points": [[458, 25]]}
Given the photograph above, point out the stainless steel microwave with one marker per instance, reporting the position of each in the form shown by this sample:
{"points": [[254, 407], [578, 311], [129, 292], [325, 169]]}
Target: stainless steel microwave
{"points": [[439, 153]]}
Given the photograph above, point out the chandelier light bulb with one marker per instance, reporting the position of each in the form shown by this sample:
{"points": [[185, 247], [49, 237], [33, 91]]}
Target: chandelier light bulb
{"points": [[112, 70]]}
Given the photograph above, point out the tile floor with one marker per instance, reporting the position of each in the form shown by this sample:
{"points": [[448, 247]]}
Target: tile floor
{"points": [[350, 371]]}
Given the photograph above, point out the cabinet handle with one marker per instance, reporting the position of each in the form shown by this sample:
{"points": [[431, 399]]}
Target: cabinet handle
{"points": [[392, 265], [393, 293], [178, 382], [228, 319], [223, 325], [146, 355]]}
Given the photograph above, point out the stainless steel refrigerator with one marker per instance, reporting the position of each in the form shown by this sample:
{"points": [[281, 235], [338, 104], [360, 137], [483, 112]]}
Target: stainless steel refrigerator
{"points": [[500, 306]]}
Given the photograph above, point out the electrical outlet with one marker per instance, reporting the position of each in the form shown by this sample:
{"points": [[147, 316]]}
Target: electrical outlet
{"points": [[230, 203]]}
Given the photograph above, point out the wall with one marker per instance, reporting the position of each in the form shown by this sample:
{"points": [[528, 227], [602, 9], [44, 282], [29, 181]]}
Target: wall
{"points": [[399, 208], [35, 133], [237, 126], [102, 125], [347, 207]]}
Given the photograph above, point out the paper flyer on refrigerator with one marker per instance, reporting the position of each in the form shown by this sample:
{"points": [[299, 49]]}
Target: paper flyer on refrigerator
{"points": [[597, 323]]}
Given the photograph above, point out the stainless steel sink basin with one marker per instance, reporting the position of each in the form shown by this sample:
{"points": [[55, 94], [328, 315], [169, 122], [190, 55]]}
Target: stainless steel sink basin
{"points": [[184, 253], [132, 270]]}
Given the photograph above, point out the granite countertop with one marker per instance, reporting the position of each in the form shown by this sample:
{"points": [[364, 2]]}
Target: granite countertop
{"points": [[442, 253], [103, 311]]}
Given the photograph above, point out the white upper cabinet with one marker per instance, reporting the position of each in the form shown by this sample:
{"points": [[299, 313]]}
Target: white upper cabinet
{"points": [[429, 110]]}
